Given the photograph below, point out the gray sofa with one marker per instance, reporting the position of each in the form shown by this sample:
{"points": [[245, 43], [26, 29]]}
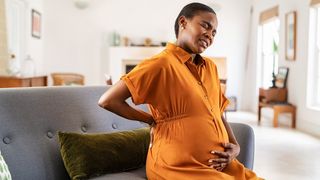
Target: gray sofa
{"points": [[31, 117]]}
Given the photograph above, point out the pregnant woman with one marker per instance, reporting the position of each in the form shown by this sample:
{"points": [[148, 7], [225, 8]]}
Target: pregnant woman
{"points": [[190, 138]]}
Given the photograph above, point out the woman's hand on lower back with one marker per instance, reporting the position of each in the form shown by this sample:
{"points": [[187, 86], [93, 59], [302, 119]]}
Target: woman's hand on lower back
{"points": [[114, 100]]}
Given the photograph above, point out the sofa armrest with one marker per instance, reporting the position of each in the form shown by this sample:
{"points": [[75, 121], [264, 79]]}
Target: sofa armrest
{"points": [[245, 137]]}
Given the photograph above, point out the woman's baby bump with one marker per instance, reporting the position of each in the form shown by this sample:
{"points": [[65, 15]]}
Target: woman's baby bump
{"points": [[190, 140]]}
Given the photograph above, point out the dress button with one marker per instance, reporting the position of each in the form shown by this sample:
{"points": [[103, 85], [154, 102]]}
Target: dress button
{"points": [[200, 83], [205, 96]]}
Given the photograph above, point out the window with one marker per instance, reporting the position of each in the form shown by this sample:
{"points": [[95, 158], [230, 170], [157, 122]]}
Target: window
{"points": [[268, 42], [313, 87]]}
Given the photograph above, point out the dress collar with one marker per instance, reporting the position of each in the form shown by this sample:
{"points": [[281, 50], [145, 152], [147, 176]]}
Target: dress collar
{"points": [[183, 55]]}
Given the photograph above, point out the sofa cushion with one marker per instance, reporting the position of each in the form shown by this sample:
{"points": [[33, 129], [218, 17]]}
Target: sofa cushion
{"points": [[4, 171], [137, 174], [91, 155]]}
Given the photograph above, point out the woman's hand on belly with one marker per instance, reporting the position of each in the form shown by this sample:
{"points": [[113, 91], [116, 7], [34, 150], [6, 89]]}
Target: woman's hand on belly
{"points": [[224, 158]]}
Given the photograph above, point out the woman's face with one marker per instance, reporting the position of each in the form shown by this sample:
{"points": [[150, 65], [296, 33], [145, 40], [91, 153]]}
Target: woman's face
{"points": [[196, 34]]}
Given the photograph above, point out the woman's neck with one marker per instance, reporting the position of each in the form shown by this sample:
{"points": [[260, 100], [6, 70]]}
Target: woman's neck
{"points": [[179, 44], [183, 46]]}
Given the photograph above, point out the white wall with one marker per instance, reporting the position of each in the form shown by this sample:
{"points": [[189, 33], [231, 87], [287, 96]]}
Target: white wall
{"points": [[34, 46], [78, 40], [307, 119]]}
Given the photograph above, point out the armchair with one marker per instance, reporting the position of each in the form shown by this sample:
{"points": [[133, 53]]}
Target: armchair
{"points": [[60, 79]]}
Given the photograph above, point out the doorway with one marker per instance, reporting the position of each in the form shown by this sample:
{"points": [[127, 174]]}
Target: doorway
{"points": [[16, 11], [268, 55]]}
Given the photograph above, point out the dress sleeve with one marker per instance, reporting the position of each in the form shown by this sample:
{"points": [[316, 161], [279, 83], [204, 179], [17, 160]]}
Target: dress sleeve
{"points": [[142, 81], [223, 101]]}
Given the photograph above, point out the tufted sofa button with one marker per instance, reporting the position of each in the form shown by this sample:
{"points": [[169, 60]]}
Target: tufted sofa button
{"points": [[114, 126], [50, 134], [84, 129], [6, 140]]}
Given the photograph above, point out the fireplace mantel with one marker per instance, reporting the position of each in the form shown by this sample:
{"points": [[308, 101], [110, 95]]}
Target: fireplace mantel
{"points": [[120, 56]]}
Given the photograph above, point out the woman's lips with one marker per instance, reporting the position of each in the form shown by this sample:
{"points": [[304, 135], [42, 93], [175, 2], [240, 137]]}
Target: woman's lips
{"points": [[204, 43]]}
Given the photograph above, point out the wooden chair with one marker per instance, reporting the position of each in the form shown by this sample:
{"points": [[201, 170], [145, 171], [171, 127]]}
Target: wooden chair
{"points": [[221, 63], [65, 79], [276, 98], [223, 84]]}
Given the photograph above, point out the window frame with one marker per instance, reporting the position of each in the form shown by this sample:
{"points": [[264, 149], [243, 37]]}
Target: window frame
{"points": [[313, 83]]}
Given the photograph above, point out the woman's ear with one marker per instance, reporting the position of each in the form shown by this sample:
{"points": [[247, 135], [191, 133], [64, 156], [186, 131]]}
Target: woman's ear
{"points": [[182, 22]]}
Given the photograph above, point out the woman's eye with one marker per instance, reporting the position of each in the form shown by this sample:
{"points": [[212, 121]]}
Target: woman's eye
{"points": [[204, 25]]}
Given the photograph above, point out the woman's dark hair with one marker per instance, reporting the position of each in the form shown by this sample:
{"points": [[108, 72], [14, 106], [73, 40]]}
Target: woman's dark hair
{"points": [[189, 11]]}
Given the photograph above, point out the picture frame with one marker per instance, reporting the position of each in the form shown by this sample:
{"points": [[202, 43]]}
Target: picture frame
{"points": [[291, 35], [35, 24], [282, 76]]}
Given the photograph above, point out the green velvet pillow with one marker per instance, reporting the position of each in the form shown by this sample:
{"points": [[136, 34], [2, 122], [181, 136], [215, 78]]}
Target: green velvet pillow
{"points": [[90, 155], [4, 171]]}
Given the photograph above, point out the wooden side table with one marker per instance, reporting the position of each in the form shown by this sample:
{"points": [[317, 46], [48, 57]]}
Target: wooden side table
{"points": [[276, 98], [284, 108], [11, 81]]}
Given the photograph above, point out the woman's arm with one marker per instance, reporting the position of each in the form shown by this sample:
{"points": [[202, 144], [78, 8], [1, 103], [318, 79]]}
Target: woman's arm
{"points": [[232, 138], [114, 100], [232, 150]]}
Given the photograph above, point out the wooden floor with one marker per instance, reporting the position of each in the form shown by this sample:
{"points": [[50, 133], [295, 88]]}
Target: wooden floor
{"points": [[282, 153]]}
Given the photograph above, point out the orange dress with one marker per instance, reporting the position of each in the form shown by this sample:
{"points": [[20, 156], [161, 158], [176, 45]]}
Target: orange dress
{"points": [[186, 102]]}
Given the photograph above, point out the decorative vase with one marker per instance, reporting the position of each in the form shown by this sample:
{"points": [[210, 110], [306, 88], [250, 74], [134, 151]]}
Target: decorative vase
{"points": [[28, 68], [116, 39], [13, 66]]}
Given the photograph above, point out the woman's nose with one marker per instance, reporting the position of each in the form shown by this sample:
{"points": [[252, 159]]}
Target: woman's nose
{"points": [[209, 35]]}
